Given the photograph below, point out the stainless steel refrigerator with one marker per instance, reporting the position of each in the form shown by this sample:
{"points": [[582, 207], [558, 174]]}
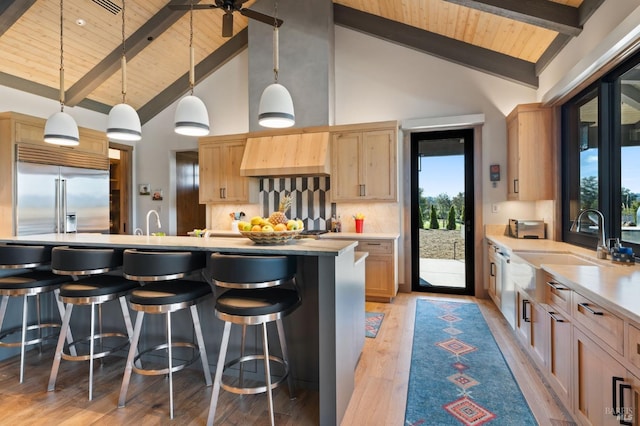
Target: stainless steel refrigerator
{"points": [[58, 199]]}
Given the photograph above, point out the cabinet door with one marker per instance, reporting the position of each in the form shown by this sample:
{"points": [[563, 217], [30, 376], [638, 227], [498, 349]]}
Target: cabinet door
{"points": [[513, 159], [378, 166], [523, 317], [530, 165], [559, 367], [346, 179], [379, 277], [212, 166], [597, 383], [236, 187], [495, 277], [539, 339]]}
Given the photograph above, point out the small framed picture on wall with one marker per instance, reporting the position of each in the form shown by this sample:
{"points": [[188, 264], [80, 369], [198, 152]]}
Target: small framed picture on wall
{"points": [[143, 189]]}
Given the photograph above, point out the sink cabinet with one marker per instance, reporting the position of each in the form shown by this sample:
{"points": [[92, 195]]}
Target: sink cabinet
{"points": [[219, 166], [530, 165], [494, 274]]}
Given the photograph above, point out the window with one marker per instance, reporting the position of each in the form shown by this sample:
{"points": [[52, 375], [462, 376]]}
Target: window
{"points": [[601, 158]]}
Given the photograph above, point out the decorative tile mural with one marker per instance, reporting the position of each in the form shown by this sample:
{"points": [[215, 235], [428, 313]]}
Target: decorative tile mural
{"points": [[310, 199]]}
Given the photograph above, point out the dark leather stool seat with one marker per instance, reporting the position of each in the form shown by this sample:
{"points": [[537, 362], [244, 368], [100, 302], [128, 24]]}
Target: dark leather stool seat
{"points": [[163, 292], [87, 283], [259, 290], [27, 282]]}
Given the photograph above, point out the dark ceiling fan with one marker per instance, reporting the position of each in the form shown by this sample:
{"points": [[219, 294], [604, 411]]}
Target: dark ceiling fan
{"points": [[230, 6]]}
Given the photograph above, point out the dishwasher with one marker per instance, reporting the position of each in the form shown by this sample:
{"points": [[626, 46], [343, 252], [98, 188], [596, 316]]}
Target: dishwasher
{"points": [[508, 290]]}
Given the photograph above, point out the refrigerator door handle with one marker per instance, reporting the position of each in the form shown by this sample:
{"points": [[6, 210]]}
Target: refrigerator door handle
{"points": [[63, 221], [58, 219]]}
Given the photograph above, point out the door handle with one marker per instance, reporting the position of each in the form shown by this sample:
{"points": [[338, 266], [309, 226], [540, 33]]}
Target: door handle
{"points": [[525, 317], [516, 186], [623, 412], [492, 269], [554, 285], [555, 317]]}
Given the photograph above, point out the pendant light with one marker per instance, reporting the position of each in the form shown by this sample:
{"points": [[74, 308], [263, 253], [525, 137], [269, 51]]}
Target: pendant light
{"points": [[276, 106], [191, 118], [61, 128], [123, 123]]}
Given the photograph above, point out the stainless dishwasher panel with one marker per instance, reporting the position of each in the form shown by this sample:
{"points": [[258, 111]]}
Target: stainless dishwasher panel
{"points": [[508, 291]]}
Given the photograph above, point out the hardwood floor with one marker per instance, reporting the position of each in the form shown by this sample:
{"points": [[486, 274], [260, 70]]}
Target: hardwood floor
{"points": [[379, 398]]}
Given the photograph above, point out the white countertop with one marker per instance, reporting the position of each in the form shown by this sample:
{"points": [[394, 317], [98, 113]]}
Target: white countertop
{"points": [[614, 286], [301, 247], [357, 236]]}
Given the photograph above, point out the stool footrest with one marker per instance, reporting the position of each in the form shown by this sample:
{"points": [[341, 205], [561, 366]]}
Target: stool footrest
{"points": [[86, 357], [256, 389], [32, 327], [163, 371]]}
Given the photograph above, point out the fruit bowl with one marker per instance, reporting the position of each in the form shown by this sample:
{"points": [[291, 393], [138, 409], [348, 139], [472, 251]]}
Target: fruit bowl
{"points": [[271, 237]]}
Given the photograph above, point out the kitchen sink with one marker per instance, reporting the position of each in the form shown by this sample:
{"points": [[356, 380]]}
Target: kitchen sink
{"points": [[554, 258]]}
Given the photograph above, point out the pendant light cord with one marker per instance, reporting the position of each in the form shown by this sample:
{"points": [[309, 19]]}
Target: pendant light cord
{"points": [[123, 60], [276, 43], [191, 51], [61, 57]]}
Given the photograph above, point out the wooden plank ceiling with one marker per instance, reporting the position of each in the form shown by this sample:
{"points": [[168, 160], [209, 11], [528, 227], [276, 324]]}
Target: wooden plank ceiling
{"points": [[513, 39]]}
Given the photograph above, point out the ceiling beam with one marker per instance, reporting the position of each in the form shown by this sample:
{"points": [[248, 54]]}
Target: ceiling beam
{"points": [[541, 13], [148, 32], [452, 50], [205, 68], [586, 9], [11, 11]]}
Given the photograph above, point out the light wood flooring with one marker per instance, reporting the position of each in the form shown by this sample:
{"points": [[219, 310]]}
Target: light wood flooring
{"points": [[379, 398]]}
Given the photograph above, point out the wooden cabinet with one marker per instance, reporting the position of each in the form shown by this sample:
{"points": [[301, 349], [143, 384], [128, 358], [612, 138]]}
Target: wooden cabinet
{"points": [[219, 165], [381, 269], [601, 384], [530, 160], [364, 165]]}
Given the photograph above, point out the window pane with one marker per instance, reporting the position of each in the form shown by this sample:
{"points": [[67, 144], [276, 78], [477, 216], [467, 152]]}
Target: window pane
{"points": [[588, 146], [630, 154]]}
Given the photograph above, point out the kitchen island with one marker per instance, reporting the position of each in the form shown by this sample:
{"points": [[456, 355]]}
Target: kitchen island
{"points": [[325, 334]]}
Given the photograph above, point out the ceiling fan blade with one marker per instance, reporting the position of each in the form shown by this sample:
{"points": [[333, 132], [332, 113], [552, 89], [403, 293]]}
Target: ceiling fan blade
{"points": [[195, 6], [269, 20], [227, 24]]}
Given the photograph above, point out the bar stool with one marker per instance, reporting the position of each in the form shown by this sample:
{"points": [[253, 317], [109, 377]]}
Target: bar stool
{"points": [[253, 296], [93, 287], [163, 292], [27, 281]]}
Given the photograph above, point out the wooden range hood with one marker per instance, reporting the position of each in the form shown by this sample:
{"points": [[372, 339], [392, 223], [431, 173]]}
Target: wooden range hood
{"points": [[300, 154]]}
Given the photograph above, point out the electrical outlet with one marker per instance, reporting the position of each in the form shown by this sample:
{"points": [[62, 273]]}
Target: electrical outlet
{"points": [[494, 208]]}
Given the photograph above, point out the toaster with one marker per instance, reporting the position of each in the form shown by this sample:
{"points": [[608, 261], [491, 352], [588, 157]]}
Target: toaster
{"points": [[526, 228]]}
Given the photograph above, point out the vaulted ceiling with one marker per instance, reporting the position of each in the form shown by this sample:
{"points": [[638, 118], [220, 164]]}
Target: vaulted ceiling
{"points": [[512, 39]]}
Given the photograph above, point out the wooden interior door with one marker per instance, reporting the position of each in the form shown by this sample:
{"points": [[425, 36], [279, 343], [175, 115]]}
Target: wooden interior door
{"points": [[120, 167], [190, 214]]}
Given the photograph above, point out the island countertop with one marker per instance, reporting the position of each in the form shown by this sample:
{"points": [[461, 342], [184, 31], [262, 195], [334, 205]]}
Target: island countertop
{"points": [[300, 247]]}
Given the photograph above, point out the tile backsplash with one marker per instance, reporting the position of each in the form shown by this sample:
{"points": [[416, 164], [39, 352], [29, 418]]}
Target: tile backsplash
{"points": [[310, 198]]}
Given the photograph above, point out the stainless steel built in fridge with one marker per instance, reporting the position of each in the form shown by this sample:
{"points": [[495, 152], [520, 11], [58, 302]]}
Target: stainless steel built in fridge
{"points": [[57, 199]]}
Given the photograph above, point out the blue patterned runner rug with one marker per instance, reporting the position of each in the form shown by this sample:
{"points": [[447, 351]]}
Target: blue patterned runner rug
{"points": [[458, 374]]}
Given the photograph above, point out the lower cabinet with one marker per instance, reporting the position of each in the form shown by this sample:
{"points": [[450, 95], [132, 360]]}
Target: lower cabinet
{"points": [[559, 360], [532, 327], [381, 272], [603, 387]]}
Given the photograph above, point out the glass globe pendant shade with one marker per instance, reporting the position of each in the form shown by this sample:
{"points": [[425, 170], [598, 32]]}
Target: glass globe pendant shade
{"points": [[191, 118], [61, 129], [123, 124], [276, 107]]}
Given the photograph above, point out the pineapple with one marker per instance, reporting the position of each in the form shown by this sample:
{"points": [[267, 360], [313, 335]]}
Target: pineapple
{"points": [[280, 216]]}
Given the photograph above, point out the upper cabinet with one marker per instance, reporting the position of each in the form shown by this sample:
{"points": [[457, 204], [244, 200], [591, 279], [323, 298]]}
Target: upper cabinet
{"points": [[530, 165], [220, 179], [364, 165]]}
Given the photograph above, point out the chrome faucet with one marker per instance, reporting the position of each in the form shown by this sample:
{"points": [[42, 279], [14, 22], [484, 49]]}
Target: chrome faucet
{"points": [[601, 249], [157, 216]]}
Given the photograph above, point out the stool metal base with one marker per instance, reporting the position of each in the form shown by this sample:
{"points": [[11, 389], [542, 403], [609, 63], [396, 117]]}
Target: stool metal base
{"points": [[269, 385], [163, 371], [241, 390], [133, 358], [25, 328]]}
